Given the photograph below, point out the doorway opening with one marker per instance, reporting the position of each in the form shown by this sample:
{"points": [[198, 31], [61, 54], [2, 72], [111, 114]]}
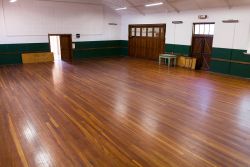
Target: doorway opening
{"points": [[55, 47], [61, 46], [202, 44]]}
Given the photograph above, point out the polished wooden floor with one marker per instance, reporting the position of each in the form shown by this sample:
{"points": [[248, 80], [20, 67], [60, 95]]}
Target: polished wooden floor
{"points": [[119, 112]]}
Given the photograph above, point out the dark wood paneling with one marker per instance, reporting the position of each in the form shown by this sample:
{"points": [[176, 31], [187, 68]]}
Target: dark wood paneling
{"points": [[147, 44], [202, 50], [66, 47]]}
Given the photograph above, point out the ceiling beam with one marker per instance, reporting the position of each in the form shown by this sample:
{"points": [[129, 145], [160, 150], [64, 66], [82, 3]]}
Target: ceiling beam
{"points": [[228, 4], [197, 3], [135, 7], [172, 6]]}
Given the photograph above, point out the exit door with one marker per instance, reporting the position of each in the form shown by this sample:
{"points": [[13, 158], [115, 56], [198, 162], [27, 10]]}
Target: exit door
{"points": [[61, 47], [202, 51], [66, 47], [202, 43]]}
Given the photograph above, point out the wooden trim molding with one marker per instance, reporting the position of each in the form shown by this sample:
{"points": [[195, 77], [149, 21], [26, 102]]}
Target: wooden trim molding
{"points": [[11, 53], [231, 61], [112, 47]]}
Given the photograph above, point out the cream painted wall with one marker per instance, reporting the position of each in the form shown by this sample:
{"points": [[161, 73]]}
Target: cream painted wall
{"points": [[223, 32], [92, 23]]}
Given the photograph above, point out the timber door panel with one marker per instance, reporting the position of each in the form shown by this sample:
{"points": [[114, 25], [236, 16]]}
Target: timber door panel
{"points": [[202, 43], [202, 50], [66, 47], [207, 52], [147, 40]]}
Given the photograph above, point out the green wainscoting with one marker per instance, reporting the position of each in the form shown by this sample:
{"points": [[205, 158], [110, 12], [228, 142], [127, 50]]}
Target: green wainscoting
{"points": [[11, 53], [226, 61], [238, 55], [221, 53], [242, 70], [178, 49], [220, 66], [124, 47], [231, 62], [100, 49]]}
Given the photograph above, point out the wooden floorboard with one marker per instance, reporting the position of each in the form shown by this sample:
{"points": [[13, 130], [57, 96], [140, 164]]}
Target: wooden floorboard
{"points": [[122, 112]]}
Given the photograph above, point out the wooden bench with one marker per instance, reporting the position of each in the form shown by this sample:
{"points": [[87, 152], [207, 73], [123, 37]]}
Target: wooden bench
{"points": [[37, 57], [168, 57]]}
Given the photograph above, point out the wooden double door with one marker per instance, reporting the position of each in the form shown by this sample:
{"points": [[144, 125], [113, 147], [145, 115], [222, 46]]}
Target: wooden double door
{"points": [[202, 50], [147, 40]]}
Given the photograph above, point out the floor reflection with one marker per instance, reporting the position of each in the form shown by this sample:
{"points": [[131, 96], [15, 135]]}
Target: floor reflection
{"points": [[244, 111], [120, 106], [57, 72], [43, 159], [29, 132]]}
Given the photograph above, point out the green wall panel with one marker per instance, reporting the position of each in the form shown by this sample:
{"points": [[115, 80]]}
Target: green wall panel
{"points": [[221, 53], [97, 44], [10, 59], [11, 53], [124, 47], [242, 70], [179, 49], [97, 53], [220, 67], [100, 49], [238, 55], [182, 49], [169, 48], [228, 66]]}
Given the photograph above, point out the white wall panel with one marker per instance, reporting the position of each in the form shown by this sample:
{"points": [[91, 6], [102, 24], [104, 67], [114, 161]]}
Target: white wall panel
{"points": [[40, 18], [43, 17], [224, 33]]}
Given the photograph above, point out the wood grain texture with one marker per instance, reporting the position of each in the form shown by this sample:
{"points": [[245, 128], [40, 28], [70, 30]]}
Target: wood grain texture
{"points": [[122, 112], [37, 57]]}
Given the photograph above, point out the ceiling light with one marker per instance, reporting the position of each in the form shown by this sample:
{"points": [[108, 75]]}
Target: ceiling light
{"points": [[230, 21], [177, 22], [154, 4], [13, 1], [124, 8]]}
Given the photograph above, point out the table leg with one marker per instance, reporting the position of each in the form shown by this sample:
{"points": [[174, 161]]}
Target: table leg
{"points": [[174, 62], [159, 61], [169, 62]]}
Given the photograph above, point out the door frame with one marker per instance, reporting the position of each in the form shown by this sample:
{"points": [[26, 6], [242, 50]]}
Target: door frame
{"points": [[71, 53], [201, 36]]}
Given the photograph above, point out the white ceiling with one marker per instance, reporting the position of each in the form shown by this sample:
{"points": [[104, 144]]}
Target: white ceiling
{"points": [[168, 6]]}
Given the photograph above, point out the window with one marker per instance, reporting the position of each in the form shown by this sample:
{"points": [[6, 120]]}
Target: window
{"points": [[132, 32], [138, 32], [144, 32], [150, 32], [156, 32], [204, 28]]}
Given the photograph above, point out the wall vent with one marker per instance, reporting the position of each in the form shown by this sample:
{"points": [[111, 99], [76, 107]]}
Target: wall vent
{"points": [[177, 22], [230, 21]]}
